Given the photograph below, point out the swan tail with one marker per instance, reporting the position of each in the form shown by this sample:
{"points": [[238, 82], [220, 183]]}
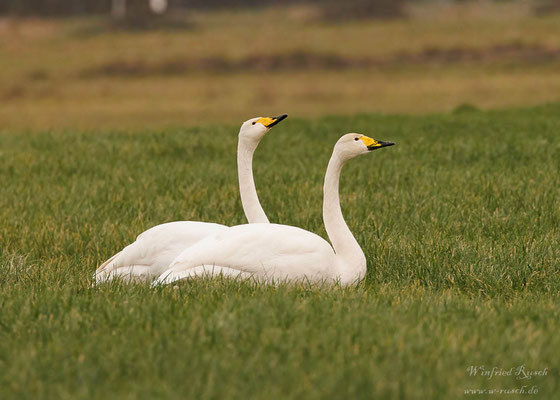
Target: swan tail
{"points": [[106, 263], [103, 271]]}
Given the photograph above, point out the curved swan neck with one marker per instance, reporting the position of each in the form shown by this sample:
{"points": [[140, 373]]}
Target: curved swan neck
{"points": [[344, 244], [249, 199]]}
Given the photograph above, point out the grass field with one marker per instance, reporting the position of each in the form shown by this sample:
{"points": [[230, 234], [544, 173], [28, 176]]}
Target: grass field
{"points": [[78, 74], [460, 223]]}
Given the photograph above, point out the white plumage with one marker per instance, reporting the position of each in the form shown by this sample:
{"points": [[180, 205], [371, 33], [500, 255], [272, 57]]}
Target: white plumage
{"points": [[268, 252], [271, 252], [156, 248]]}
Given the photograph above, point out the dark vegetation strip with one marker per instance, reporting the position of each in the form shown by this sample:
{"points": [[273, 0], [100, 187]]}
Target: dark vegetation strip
{"points": [[301, 60]]}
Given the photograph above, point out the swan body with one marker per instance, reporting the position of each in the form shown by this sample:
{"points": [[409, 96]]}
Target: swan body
{"points": [[268, 252], [271, 252], [153, 250]]}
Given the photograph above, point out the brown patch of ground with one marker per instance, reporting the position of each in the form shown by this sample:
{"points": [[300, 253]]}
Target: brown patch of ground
{"points": [[306, 61]]}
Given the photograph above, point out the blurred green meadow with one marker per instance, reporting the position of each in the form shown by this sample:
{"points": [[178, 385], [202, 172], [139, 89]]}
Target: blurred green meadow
{"points": [[225, 66], [460, 223]]}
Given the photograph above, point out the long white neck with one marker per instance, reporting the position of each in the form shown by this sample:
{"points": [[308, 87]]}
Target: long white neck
{"points": [[350, 257], [251, 205]]}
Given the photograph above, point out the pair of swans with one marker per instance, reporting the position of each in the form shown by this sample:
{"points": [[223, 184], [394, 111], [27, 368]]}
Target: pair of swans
{"points": [[270, 252]]}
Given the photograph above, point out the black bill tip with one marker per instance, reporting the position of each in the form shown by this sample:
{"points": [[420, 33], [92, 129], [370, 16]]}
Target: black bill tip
{"points": [[277, 119], [383, 144]]}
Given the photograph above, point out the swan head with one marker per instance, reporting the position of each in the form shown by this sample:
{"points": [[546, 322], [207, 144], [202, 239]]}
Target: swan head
{"points": [[255, 128], [354, 144]]}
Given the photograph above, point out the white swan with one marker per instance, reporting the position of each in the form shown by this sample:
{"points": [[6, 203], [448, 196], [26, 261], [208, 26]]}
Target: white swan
{"points": [[273, 253], [156, 248]]}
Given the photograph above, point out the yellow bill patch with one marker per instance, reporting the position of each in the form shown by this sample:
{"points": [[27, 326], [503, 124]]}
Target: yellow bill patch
{"points": [[266, 121], [369, 142]]}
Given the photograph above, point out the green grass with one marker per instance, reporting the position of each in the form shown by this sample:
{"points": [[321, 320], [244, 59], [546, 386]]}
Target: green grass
{"points": [[460, 223]]}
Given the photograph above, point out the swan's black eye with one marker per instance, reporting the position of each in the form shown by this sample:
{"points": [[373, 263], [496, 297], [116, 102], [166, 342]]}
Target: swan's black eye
{"points": [[356, 139], [254, 123]]}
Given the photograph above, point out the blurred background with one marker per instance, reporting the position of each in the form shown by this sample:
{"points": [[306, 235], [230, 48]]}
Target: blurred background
{"points": [[149, 64]]}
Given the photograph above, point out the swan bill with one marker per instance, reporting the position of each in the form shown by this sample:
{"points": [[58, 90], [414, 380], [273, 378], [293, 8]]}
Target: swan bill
{"points": [[373, 144], [270, 122]]}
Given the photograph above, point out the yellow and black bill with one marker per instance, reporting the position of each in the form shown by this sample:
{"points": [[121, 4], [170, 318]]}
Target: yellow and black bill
{"points": [[269, 122], [373, 144]]}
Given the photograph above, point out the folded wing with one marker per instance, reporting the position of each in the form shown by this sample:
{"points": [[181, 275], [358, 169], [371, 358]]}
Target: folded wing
{"points": [[269, 251]]}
